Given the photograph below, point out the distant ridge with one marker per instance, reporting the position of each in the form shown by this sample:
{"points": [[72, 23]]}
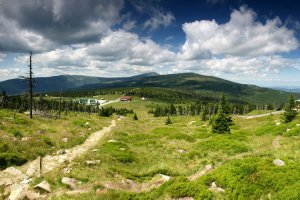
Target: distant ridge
{"points": [[185, 82], [62, 82]]}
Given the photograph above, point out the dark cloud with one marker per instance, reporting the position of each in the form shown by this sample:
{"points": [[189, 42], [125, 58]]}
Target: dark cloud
{"points": [[55, 22]]}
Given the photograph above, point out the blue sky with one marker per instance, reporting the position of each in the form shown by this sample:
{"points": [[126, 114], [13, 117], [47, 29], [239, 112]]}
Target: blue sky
{"points": [[253, 42]]}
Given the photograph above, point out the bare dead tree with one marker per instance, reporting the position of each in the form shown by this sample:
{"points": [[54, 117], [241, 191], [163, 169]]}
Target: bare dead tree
{"points": [[30, 84], [29, 78]]}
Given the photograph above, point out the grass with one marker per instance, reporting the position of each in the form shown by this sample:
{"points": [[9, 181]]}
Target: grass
{"points": [[140, 149], [24, 139]]}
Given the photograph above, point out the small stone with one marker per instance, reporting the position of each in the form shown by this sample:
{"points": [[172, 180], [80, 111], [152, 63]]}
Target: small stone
{"points": [[277, 123], [214, 187], [287, 130], [87, 123], [278, 162], [44, 185], [61, 152], [122, 149], [71, 182], [66, 170], [31, 170], [42, 131], [24, 139], [95, 150], [297, 124], [5, 137], [164, 177], [180, 150], [89, 129], [192, 122], [112, 141], [92, 162], [65, 140], [25, 181]]}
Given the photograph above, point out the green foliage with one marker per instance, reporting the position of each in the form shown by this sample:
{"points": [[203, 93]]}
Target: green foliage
{"points": [[17, 133], [8, 159], [135, 117], [119, 151], [289, 112], [168, 120], [180, 136], [222, 120], [253, 178], [225, 145]]}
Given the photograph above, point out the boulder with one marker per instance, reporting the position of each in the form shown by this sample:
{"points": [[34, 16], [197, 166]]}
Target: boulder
{"points": [[44, 185], [13, 171], [65, 140], [165, 177], [31, 195], [18, 193], [278, 162], [71, 182], [31, 170], [214, 187]]}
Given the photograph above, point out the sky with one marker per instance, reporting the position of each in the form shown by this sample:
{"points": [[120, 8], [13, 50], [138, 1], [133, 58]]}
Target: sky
{"points": [[246, 41]]}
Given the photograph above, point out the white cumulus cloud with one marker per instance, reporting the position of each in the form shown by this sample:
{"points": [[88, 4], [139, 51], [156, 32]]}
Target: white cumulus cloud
{"points": [[242, 35]]}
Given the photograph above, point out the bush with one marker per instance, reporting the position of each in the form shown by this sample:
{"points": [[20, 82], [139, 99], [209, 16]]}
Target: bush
{"points": [[17, 133], [135, 117], [9, 159], [168, 120], [180, 136], [115, 150]]}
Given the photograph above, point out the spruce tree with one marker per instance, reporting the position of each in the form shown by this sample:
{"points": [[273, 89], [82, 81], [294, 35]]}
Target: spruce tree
{"points": [[168, 121], [135, 117], [289, 110], [222, 120]]}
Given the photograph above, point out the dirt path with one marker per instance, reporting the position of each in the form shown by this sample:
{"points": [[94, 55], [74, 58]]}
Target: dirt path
{"points": [[12, 176], [261, 115]]}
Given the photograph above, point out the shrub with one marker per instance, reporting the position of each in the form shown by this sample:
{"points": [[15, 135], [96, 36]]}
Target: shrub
{"points": [[168, 120], [180, 136], [9, 159]]}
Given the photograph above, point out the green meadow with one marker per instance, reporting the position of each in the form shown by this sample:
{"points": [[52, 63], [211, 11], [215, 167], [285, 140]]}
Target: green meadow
{"points": [[140, 150]]}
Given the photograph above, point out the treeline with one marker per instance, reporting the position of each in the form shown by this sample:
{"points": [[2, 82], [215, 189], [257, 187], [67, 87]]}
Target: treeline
{"points": [[54, 108], [90, 93], [204, 109]]}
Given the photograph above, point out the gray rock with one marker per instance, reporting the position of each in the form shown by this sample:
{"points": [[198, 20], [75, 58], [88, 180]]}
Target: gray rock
{"points": [[214, 187], [65, 140], [278, 162], [44, 185], [31, 170], [24, 139], [112, 141], [71, 182], [13, 171], [18, 193], [92, 162]]}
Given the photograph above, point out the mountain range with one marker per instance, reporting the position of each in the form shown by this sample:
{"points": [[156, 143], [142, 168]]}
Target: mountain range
{"points": [[181, 82]]}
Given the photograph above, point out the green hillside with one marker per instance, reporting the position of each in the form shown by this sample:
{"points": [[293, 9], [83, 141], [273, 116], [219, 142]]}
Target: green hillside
{"points": [[189, 85]]}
